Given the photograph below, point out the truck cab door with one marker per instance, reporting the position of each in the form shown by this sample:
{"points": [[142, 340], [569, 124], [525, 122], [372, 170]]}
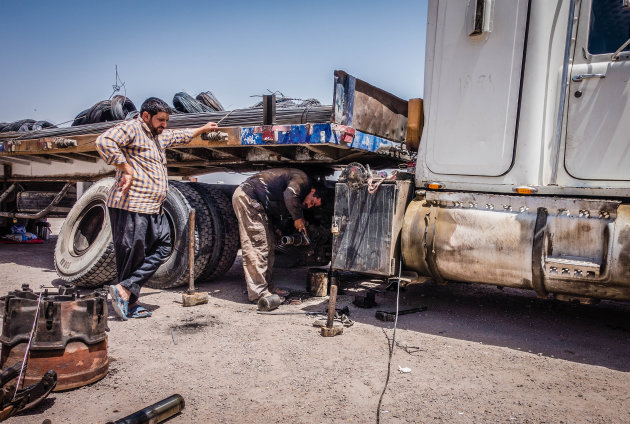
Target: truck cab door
{"points": [[598, 124], [475, 56]]}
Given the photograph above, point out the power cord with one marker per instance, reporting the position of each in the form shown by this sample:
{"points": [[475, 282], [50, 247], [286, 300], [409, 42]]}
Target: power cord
{"points": [[390, 346]]}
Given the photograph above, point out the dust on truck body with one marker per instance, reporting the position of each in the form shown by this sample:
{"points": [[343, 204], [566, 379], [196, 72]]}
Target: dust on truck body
{"points": [[523, 171]]}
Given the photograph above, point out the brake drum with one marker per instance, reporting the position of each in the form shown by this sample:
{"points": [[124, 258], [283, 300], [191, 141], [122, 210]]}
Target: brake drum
{"points": [[69, 335]]}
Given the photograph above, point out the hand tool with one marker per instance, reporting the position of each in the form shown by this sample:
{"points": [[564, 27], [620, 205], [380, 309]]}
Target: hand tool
{"points": [[331, 330], [191, 297], [156, 413], [391, 316]]}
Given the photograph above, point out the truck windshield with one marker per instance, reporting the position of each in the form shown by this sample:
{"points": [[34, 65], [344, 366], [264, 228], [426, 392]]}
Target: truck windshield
{"points": [[609, 26]]}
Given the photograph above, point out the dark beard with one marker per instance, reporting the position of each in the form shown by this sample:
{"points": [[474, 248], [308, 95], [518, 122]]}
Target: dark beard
{"points": [[153, 129]]}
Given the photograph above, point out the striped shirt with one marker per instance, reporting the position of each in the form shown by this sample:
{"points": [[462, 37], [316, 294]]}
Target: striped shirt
{"points": [[132, 142]]}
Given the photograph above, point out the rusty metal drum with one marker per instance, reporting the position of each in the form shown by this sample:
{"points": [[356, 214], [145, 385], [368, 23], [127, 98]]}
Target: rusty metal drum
{"points": [[317, 282]]}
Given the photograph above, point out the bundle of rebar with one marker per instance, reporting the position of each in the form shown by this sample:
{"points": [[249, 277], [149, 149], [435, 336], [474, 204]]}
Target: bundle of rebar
{"points": [[235, 118]]}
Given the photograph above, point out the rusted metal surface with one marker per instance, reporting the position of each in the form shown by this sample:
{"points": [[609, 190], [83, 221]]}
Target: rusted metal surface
{"points": [[578, 247], [35, 201], [368, 109], [69, 337], [415, 124], [43, 212], [367, 227], [317, 282], [76, 365], [64, 316]]}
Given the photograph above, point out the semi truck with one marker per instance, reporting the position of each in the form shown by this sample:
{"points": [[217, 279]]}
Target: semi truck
{"points": [[519, 151], [523, 171]]}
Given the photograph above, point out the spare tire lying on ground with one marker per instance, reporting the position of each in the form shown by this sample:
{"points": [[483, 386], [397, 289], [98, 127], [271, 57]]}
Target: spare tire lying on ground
{"points": [[84, 253]]}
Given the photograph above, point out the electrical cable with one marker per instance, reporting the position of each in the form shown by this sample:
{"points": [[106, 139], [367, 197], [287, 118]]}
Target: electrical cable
{"points": [[390, 346]]}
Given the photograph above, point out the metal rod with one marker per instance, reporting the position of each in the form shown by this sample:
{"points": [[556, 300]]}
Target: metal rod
{"points": [[28, 346], [555, 154], [44, 211], [156, 413], [191, 252], [7, 192], [331, 306]]}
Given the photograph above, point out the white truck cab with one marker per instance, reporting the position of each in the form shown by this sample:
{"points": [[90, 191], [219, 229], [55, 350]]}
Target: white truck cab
{"points": [[524, 163]]}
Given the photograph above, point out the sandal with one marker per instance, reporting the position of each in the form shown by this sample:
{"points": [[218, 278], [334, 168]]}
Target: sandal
{"points": [[137, 311], [118, 303]]}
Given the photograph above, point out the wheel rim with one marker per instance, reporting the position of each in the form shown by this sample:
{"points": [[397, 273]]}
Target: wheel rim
{"points": [[88, 227]]}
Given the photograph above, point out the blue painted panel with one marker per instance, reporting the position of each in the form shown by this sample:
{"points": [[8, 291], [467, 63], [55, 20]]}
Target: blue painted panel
{"points": [[299, 134], [284, 137], [369, 142], [320, 134], [249, 137], [343, 101]]}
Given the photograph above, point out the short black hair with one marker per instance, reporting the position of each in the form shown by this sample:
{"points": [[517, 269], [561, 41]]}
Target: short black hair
{"points": [[320, 189], [153, 105]]}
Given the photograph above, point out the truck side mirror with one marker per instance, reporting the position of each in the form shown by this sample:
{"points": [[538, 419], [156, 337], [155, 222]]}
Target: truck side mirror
{"points": [[479, 16]]}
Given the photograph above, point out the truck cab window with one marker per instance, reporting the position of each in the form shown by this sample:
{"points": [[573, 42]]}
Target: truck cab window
{"points": [[609, 26]]}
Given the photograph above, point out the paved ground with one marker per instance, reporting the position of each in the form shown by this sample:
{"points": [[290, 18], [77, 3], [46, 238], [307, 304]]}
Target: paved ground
{"points": [[477, 355]]}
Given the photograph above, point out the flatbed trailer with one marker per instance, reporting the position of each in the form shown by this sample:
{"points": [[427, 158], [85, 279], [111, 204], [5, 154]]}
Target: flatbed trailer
{"points": [[324, 136], [58, 172]]}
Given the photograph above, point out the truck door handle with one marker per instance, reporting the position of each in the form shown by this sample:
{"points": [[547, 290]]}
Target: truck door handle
{"points": [[578, 78]]}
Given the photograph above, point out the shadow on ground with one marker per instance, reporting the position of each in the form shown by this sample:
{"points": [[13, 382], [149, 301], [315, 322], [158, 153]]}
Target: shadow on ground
{"points": [[592, 334], [35, 255]]}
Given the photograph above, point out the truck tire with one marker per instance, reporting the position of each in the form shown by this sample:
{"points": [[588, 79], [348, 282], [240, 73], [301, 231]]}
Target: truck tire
{"points": [[84, 253], [225, 226], [180, 200]]}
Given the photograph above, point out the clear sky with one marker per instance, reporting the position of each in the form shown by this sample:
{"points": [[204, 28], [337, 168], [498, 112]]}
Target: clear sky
{"points": [[59, 57]]}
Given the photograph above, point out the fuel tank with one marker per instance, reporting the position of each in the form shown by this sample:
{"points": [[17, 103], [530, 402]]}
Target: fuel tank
{"points": [[570, 247]]}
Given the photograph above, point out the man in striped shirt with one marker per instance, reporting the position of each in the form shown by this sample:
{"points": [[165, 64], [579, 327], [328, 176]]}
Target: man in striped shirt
{"points": [[139, 228]]}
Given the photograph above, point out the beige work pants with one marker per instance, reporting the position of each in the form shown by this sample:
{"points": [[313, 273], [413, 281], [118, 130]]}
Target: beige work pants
{"points": [[257, 244]]}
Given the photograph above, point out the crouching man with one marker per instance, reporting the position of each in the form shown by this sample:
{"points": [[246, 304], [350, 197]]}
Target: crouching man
{"points": [[262, 197]]}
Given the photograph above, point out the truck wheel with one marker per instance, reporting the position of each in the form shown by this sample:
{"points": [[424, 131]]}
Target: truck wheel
{"points": [[180, 200], [225, 225], [84, 253]]}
